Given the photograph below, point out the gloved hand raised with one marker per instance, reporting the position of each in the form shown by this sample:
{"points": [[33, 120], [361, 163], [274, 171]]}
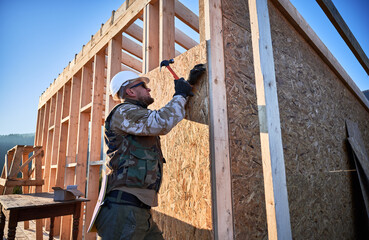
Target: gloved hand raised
{"points": [[182, 88], [196, 73]]}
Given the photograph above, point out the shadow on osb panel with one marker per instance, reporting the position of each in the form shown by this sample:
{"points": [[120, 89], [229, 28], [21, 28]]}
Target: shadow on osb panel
{"points": [[176, 229]]}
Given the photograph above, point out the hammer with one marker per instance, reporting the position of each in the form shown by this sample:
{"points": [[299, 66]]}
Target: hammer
{"points": [[166, 63]]}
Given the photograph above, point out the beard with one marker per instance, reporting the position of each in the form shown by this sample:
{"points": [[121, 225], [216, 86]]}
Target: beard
{"points": [[147, 100]]}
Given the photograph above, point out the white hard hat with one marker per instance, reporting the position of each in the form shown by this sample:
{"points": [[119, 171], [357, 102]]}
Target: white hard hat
{"points": [[124, 78]]}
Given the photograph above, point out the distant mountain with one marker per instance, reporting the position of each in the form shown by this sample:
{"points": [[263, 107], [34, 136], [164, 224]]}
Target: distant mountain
{"points": [[7, 142]]}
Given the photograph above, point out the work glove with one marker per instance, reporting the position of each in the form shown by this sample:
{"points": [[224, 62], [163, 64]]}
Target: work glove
{"points": [[196, 73], [182, 88]]}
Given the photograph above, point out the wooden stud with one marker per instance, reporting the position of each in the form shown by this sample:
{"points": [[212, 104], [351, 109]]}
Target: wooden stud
{"points": [[49, 142], [95, 135], [345, 32], [113, 67], [275, 186], [166, 30], [150, 46], [55, 144], [219, 141], [83, 127]]}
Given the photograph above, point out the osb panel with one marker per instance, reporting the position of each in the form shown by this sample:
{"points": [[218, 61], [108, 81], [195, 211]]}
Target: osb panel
{"points": [[184, 210], [247, 173], [314, 105]]}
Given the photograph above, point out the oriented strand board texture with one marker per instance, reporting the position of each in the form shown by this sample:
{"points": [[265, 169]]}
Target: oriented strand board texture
{"points": [[246, 166], [184, 210], [314, 105]]}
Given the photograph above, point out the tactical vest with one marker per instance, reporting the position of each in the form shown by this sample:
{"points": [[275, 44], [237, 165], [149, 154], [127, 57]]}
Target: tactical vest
{"points": [[135, 161]]}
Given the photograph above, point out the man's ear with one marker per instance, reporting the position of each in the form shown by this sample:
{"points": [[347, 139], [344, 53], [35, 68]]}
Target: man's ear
{"points": [[130, 92]]}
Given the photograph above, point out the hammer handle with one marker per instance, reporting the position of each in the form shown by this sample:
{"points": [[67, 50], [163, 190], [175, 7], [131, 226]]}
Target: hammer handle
{"points": [[173, 73]]}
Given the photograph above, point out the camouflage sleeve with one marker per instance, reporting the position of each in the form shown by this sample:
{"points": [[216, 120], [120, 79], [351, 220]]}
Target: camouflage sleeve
{"points": [[145, 122]]}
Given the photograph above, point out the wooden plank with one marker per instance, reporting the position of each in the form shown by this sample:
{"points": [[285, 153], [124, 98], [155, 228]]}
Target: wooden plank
{"points": [[45, 127], [48, 150], [56, 138], [183, 40], [114, 66], [131, 61], [275, 186], [66, 100], [187, 16], [299, 23], [150, 47], [131, 47], [166, 30], [135, 31], [95, 135], [83, 128], [345, 32], [21, 182], [219, 140], [25, 176]]}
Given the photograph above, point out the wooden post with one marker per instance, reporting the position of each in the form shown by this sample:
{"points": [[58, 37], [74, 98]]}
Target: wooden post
{"points": [[275, 187], [38, 189], [219, 140], [95, 136], [25, 189], [150, 37], [166, 30], [71, 147], [114, 66], [49, 144], [82, 138]]}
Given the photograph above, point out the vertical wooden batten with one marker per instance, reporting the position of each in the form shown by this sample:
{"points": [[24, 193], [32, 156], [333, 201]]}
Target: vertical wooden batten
{"points": [[166, 30], [95, 136], [219, 140], [150, 47], [275, 185]]}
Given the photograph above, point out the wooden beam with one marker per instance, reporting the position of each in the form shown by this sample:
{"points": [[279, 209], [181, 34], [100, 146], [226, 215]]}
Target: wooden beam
{"points": [[187, 16], [95, 135], [131, 61], [10, 183], [83, 128], [275, 186], [345, 32], [55, 144], [113, 67], [219, 139], [49, 144], [166, 30], [132, 47], [183, 40], [150, 47], [135, 31], [301, 26]]}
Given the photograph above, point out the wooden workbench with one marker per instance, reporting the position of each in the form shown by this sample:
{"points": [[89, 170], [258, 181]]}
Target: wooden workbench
{"points": [[23, 207]]}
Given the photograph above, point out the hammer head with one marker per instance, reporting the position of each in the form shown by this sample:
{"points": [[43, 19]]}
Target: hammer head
{"points": [[166, 63]]}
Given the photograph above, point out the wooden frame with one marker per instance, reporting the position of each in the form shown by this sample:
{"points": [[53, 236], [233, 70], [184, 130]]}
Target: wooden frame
{"points": [[72, 109]]}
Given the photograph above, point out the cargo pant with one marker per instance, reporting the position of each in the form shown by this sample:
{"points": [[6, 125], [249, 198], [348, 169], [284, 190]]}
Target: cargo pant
{"points": [[118, 221]]}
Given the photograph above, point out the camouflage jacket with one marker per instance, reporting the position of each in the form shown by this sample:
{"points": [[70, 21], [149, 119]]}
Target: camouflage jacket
{"points": [[132, 136]]}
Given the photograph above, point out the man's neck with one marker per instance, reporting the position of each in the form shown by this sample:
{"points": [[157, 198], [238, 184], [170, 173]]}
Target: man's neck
{"points": [[136, 102]]}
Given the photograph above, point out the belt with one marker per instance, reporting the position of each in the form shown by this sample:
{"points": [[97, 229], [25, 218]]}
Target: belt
{"points": [[129, 199]]}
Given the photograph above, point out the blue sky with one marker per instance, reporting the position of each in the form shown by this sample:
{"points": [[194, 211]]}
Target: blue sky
{"points": [[38, 38]]}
